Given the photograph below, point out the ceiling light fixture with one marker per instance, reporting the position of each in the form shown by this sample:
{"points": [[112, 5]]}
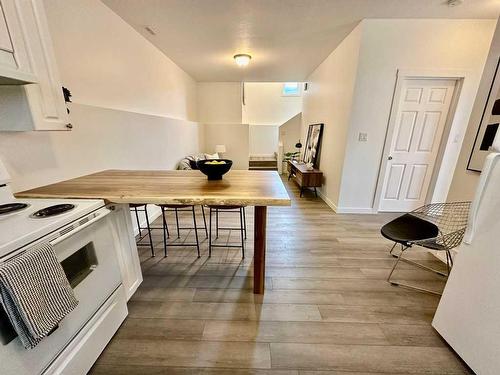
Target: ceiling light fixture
{"points": [[242, 59]]}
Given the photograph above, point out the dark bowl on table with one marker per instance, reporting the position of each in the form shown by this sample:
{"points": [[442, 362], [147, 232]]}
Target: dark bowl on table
{"points": [[214, 171]]}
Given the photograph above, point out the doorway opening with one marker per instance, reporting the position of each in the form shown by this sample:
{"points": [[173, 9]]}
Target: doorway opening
{"points": [[267, 108]]}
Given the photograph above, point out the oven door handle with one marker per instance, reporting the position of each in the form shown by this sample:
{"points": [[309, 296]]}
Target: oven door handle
{"points": [[105, 212]]}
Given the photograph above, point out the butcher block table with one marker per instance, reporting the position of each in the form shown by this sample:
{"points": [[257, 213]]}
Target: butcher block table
{"points": [[238, 187]]}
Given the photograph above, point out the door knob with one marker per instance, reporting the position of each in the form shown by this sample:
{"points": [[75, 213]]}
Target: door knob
{"points": [[389, 158]]}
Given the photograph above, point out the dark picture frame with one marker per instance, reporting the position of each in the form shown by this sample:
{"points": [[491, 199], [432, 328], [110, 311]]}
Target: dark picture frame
{"points": [[313, 145], [488, 125]]}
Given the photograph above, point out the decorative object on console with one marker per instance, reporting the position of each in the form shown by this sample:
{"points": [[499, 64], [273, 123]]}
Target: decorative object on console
{"points": [[488, 126], [291, 155], [214, 169], [298, 146], [313, 144]]}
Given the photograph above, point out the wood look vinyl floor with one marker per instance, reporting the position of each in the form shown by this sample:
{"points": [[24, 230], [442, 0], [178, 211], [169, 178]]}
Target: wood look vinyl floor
{"points": [[327, 308]]}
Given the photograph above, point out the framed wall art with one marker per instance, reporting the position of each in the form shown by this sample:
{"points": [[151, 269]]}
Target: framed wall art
{"points": [[488, 127], [313, 145]]}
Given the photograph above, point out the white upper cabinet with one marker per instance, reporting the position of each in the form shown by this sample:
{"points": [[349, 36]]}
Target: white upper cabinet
{"points": [[40, 105], [15, 67], [5, 42]]}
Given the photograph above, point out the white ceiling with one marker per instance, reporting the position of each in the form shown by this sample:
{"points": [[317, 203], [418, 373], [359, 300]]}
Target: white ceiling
{"points": [[287, 38]]}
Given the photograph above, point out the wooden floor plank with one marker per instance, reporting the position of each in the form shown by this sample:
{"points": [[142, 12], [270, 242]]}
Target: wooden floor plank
{"points": [[385, 359], [140, 352], [299, 332]]}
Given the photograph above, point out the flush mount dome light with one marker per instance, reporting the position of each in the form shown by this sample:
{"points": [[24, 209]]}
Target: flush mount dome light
{"points": [[242, 59]]}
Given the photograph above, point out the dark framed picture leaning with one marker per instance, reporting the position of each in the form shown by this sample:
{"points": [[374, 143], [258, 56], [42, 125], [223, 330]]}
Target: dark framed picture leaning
{"points": [[313, 145], [488, 126]]}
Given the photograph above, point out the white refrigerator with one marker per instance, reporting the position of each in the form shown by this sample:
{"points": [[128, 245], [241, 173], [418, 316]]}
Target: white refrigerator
{"points": [[468, 315]]}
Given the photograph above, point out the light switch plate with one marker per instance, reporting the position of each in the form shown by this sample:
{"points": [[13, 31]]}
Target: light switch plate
{"points": [[363, 137]]}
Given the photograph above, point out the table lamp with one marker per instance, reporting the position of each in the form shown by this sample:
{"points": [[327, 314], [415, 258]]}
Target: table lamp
{"points": [[220, 149]]}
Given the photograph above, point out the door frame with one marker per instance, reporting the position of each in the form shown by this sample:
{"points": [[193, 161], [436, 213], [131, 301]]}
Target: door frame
{"points": [[408, 74]]}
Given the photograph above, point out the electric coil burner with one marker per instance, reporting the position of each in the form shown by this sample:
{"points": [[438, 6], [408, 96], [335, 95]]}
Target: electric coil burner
{"points": [[9, 208], [54, 210]]}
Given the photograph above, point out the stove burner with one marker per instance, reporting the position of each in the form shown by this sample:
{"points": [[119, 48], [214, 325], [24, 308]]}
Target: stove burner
{"points": [[53, 210], [11, 207]]}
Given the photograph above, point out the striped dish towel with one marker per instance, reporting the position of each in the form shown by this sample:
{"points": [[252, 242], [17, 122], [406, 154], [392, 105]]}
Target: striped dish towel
{"points": [[35, 293]]}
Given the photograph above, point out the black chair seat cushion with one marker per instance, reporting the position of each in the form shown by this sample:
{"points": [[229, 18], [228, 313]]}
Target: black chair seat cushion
{"points": [[409, 228]]}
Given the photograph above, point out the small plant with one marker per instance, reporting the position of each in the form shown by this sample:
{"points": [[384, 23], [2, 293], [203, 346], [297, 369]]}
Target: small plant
{"points": [[291, 155]]}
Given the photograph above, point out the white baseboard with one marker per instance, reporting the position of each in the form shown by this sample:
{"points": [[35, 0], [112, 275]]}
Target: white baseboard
{"points": [[327, 200], [154, 213], [345, 210], [356, 210]]}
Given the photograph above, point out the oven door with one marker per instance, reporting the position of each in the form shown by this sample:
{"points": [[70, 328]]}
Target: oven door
{"points": [[87, 252]]}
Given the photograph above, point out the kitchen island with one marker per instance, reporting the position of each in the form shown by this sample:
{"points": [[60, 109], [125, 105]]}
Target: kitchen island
{"points": [[238, 187]]}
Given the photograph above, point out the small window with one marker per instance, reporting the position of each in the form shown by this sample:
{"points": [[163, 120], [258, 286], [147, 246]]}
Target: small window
{"points": [[291, 89]]}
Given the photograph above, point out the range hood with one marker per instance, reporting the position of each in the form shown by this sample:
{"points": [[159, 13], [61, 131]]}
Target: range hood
{"points": [[16, 78]]}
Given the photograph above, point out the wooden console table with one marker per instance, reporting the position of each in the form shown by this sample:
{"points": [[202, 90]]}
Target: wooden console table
{"points": [[305, 178]]}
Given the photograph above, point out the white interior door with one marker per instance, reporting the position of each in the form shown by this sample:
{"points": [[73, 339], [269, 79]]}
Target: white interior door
{"points": [[420, 118]]}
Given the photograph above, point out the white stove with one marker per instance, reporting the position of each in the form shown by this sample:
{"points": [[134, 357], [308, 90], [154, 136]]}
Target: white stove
{"points": [[83, 235], [20, 227]]}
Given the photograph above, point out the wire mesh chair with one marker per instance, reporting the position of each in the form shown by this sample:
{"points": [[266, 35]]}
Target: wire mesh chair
{"points": [[436, 226]]}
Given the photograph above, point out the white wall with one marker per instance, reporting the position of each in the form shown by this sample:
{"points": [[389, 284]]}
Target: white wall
{"points": [[119, 83], [219, 103], [464, 181], [101, 139], [106, 63], [329, 100], [265, 105], [219, 111], [263, 140], [234, 136], [389, 45], [290, 132]]}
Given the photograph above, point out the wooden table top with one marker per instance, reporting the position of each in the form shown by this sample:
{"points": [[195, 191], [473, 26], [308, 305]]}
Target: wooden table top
{"points": [[238, 187]]}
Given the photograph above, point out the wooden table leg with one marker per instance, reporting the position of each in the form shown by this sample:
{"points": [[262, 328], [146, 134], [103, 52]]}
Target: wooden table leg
{"points": [[259, 246]]}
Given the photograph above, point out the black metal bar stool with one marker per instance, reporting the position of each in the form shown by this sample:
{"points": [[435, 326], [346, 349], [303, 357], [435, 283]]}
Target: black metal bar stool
{"points": [[181, 208], [242, 228], [142, 207]]}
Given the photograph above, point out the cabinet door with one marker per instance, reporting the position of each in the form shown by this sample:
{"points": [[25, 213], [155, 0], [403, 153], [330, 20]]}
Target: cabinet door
{"points": [[5, 42], [14, 59], [128, 257], [45, 98]]}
